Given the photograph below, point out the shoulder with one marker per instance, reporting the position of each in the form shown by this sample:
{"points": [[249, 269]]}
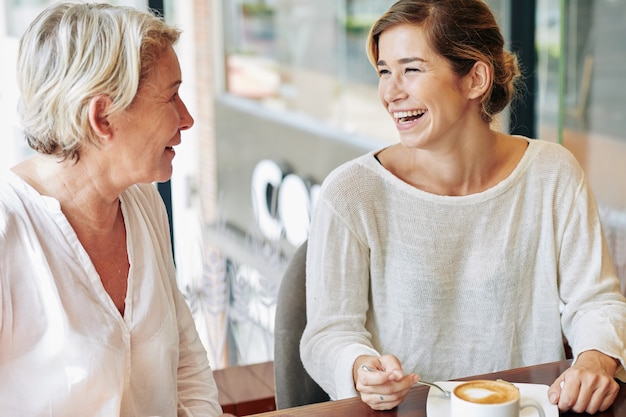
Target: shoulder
{"points": [[553, 160], [6, 209], [353, 177], [145, 202], [9, 189], [553, 153], [146, 216], [12, 204], [554, 175]]}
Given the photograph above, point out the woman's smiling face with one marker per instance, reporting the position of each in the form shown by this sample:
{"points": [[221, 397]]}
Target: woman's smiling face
{"points": [[150, 128], [419, 89]]}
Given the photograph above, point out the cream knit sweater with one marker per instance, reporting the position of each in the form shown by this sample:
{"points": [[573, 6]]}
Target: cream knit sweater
{"points": [[458, 286]]}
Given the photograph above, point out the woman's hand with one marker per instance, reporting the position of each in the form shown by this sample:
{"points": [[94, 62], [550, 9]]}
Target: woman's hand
{"points": [[588, 385], [381, 381]]}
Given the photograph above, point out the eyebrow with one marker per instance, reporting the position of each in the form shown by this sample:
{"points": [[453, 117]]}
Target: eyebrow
{"points": [[401, 61]]}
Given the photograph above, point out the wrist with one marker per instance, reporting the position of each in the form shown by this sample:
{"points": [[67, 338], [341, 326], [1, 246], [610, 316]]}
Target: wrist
{"points": [[609, 363]]}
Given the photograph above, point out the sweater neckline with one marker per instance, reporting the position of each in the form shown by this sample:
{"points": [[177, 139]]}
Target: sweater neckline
{"points": [[532, 149]]}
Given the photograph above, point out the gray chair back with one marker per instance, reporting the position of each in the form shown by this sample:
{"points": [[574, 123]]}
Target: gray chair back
{"points": [[294, 386]]}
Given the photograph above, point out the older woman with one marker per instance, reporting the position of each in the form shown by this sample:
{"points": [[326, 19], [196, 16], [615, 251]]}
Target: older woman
{"points": [[460, 250], [91, 320]]}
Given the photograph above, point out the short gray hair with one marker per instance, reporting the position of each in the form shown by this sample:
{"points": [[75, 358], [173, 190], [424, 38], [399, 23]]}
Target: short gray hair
{"points": [[74, 51]]}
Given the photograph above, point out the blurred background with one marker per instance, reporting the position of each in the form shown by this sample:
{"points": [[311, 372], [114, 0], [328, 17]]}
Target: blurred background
{"points": [[282, 93]]}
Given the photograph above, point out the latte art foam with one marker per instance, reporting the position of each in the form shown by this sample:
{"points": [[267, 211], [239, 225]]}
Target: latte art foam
{"points": [[487, 392]]}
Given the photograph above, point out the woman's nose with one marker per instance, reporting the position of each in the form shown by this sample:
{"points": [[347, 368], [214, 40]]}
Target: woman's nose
{"points": [[186, 120], [392, 90]]}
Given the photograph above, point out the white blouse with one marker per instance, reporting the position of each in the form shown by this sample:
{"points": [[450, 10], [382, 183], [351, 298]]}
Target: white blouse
{"points": [[64, 347]]}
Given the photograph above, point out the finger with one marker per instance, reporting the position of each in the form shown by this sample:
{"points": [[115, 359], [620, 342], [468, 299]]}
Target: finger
{"points": [[601, 398], [388, 392], [369, 376], [396, 375], [554, 392], [569, 397], [591, 406], [383, 383], [364, 362], [405, 383], [381, 402], [372, 380], [609, 399], [391, 363], [581, 399]]}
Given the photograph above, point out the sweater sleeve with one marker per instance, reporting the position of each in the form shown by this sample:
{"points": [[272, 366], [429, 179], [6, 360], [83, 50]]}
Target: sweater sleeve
{"points": [[338, 282], [594, 310]]}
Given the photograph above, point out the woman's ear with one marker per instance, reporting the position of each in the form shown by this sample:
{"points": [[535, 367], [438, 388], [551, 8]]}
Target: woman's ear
{"points": [[98, 118], [481, 77]]}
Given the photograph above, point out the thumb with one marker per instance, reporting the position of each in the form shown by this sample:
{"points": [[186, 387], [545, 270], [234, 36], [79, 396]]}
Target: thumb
{"points": [[392, 365]]}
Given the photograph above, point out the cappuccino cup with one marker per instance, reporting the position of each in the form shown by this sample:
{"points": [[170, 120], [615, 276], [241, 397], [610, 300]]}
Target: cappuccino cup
{"points": [[487, 398]]}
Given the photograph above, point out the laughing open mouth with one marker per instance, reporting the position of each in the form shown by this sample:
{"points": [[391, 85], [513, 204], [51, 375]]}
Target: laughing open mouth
{"points": [[408, 116]]}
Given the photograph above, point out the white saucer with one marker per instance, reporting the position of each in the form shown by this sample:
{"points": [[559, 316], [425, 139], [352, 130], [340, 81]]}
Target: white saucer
{"points": [[439, 406]]}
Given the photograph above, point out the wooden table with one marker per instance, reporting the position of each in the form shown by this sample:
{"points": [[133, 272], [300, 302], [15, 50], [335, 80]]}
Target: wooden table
{"points": [[244, 390], [415, 403]]}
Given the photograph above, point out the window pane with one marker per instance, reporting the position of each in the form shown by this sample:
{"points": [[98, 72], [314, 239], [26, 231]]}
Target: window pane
{"points": [[594, 108], [548, 55], [594, 97], [308, 57]]}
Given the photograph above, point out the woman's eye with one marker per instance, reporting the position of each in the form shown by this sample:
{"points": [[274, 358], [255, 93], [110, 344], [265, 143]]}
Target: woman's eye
{"points": [[383, 72], [174, 97], [412, 70]]}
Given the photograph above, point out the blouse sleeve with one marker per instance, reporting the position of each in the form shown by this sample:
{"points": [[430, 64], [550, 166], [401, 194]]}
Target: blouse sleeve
{"points": [[197, 390]]}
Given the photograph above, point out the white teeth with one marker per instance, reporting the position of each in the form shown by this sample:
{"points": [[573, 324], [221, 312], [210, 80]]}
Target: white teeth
{"points": [[401, 114]]}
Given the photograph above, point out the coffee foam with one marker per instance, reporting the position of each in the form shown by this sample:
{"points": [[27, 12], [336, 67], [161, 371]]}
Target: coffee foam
{"points": [[487, 392]]}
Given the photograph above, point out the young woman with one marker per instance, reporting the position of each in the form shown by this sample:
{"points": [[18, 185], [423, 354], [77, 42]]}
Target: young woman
{"points": [[459, 250]]}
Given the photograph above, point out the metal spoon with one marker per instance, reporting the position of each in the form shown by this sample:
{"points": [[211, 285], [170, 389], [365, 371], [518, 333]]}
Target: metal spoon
{"points": [[430, 384]]}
